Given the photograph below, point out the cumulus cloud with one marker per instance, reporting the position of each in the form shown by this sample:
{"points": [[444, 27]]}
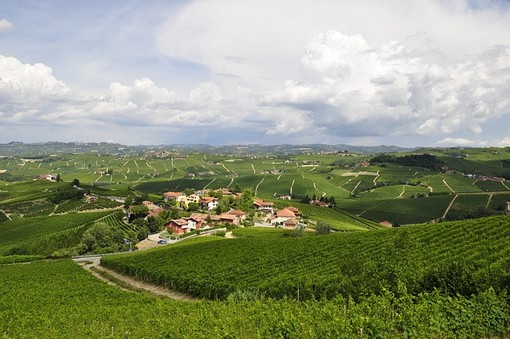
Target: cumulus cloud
{"points": [[5, 25], [347, 84], [285, 70], [461, 142]]}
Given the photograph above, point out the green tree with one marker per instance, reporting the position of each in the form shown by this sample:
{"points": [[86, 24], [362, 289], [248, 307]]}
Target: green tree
{"points": [[75, 182], [138, 211], [322, 228], [101, 238]]}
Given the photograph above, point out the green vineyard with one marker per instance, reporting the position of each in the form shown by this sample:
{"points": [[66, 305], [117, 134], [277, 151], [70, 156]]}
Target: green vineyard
{"points": [[58, 299], [455, 257]]}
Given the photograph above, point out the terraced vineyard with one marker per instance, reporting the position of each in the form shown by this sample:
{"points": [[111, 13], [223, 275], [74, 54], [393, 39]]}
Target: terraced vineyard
{"points": [[456, 257], [67, 299], [43, 235], [359, 189]]}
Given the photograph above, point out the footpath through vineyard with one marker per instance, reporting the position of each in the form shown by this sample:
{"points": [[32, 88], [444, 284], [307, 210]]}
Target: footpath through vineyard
{"points": [[92, 264]]}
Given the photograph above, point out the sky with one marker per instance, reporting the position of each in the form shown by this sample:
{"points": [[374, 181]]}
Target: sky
{"points": [[366, 72]]}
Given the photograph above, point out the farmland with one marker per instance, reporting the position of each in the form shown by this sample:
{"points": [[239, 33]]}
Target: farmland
{"points": [[436, 279], [357, 188], [417, 257], [67, 300]]}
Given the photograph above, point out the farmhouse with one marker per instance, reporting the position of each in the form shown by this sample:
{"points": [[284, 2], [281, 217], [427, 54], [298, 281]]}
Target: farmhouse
{"points": [[183, 225], [263, 206], [209, 202], [287, 218], [154, 209], [241, 215], [90, 198], [49, 177], [173, 196]]}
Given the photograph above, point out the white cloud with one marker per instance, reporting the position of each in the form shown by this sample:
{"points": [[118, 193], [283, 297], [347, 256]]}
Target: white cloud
{"points": [[348, 85], [281, 71], [23, 82], [5, 25], [461, 142], [503, 142]]}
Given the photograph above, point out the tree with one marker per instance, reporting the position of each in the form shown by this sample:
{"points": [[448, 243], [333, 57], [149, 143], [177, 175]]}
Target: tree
{"points": [[322, 228], [75, 182], [189, 191], [59, 179], [101, 238], [128, 202], [237, 188], [193, 207], [138, 211]]}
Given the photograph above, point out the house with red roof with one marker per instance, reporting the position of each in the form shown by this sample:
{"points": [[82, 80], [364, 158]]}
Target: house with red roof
{"points": [[183, 225], [173, 196], [209, 203], [263, 206], [287, 217]]}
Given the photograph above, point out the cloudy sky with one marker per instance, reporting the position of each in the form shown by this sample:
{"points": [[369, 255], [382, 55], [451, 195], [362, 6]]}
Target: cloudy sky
{"points": [[365, 72]]}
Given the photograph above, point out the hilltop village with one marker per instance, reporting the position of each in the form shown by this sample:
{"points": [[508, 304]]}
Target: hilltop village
{"points": [[194, 210]]}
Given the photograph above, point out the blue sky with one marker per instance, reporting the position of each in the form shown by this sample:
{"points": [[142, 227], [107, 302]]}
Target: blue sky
{"points": [[410, 73]]}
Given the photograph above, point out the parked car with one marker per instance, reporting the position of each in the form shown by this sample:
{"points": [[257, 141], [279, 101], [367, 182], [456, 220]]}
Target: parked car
{"points": [[162, 242]]}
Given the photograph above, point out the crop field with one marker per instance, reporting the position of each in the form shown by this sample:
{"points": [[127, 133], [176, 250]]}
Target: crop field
{"points": [[269, 177], [67, 300], [400, 211], [467, 202], [39, 234], [341, 264], [491, 186]]}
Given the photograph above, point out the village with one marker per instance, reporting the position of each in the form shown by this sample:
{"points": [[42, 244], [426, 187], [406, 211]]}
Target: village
{"points": [[202, 211]]}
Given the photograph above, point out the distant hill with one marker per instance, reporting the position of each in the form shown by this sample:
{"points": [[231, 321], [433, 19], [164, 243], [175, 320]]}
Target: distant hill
{"points": [[47, 148]]}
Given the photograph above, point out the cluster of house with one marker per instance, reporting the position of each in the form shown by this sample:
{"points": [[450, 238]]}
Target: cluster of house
{"points": [[483, 177], [198, 197], [288, 217], [198, 221]]}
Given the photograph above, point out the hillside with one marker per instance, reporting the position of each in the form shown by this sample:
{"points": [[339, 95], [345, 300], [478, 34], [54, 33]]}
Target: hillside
{"points": [[397, 191], [58, 298], [456, 258]]}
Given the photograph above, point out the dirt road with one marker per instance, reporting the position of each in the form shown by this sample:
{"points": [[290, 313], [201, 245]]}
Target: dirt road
{"points": [[93, 264]]}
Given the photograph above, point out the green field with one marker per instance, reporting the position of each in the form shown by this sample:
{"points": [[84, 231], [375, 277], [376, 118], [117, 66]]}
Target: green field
{"points": [[419, 257], [268, 177], [44, 235], [437, 279], [58, 298]]}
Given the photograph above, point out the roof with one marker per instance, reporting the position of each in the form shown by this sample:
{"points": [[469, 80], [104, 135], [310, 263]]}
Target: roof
{"points": [[172, 194], [285, 213], [262, 203], [179, 222], [293, 209], [293, 222], [199, 216], [237, 213], [227, 216]]}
